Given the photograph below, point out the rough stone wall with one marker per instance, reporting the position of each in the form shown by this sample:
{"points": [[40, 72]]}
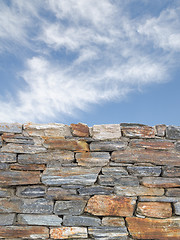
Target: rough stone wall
{"points": [[114, 181]]}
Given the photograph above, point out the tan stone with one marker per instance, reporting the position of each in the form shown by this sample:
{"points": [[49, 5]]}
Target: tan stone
{"points": [[160, 130], [149, 228], [106, 131], [28, 167], [22, 148], [92, 159], [160, 182], [103, 205], [68, 232], [137, 130], [138, 191], [80, 130], [155, 209], [113, 221], [155, 144]]}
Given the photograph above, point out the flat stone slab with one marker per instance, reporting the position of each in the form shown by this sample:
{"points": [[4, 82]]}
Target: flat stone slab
{"points": [[155, 144], [81, 221], [92, 159], [160, 182], [68, 232], [173, 132], [74, 207], [106, 232], [95, 190], [108, 146], [22, 148], [171, 172], [7, 158], [138, 191], [137, 130], [177, 208], [6, 192], [31, 191], [80, 130], [173, 192], [144, 171], [113, 221], [109, 180], [106, 131], [114, 171], [10, 128], [7, 219], [38, 205]]}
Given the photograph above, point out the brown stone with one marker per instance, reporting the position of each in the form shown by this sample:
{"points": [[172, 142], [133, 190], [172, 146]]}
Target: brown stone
{"points": [[160, 182], [103, 205], [149, 228], [160, 130], [156, 144], [113, 221], [64, 144], [68, 232], [92, 159], [137, 130], [171, 172], [28, 167], [30, 232], [7, 157], [155, 209], [80, 130], [11, 205], [18, 139], [19, 177], [173, 192], [147, 156]]}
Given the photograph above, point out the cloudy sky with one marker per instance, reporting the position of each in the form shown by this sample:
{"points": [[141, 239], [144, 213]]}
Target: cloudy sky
{"points": [[105, 61]]}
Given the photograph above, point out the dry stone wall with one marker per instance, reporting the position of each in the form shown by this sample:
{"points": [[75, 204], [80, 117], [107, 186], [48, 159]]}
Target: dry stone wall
{"points": [[114, 181]]}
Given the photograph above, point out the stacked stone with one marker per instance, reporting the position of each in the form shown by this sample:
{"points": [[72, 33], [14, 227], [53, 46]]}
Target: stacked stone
{"points": [[114, 181]]}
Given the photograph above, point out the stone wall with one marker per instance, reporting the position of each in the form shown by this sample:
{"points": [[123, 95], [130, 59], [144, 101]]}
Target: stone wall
{"points": [[114, 181]]}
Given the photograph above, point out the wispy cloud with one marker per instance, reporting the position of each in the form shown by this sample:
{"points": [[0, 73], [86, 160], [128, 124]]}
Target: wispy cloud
{"points": [[83, 52]]}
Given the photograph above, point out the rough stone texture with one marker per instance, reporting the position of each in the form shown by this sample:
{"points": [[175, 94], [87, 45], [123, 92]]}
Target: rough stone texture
{"points": [[10, 128], [22, 148], [177, 208], [74, 175], [143, 171], [69, 207], [92, 159], [177, 146], [156, 144], [171, 172], [4, 166], [59, 193], [149, 228], [29, 232], [173, 192], [68, 232], [147, 156], [160, 182], [114, 171], [173, 132], [38, 205], [31, 191], [108, 146], [158, 199], [41, 220], [137, 130], [6, 192], [12, 138], [12, 205], [7, 157], [106, 233], [80, 130], [95, 190], [28, 167], [109, 180], [113, 221], [81, 221], [19, 177], [160, 130], [106, 131], [102, 205], [7, 219], [154, 209], [138, 191]]}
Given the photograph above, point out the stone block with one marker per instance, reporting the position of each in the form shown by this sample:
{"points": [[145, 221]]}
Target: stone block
{"points": [[108, 146], [160, 182], [137, 130], [177, 208], [22, 148], [4, 166], [17, 139], [149, 228], [81, 221], [95, 190], [109, 180], [155, 144], [10, 128], [59, 193], [7, 219], [27, 167], [102, 205], [159, 199], [41, 220], [25, 232], [173, 192], [80, 130], [92, 159], [177, 146], [113, 221], [8, 178], [173, 132], [160, 130], [31, 191], [138, 191], [6, 192], [171, 172], [68, 232], [120, 171], [73, 175], [143, 171], [154, 209], [106, 232], [7, 158], [12, 205], [106, 131], [73, 207], [38, 205]]}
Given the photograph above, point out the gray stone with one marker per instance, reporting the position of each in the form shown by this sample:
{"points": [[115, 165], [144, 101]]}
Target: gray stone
{"points": [[11, 205], [138, 191], [95, 190], [0, 143], [160, 182], [18, 139], [81, 221], [173, 132], [74, 207], [119, 164], [107, 233], [73, 186], [108, 146], [58, 193], [134, 130], [74, 175], [21, 148], [177, 208], [173, 192], [106, 131], [171, 172], [6, 192], [41, 220], [92, 159], [4, 166], [143, 171], [10, 128], [160, 130], [177, 146], [108, 180], [114, 171], [59, 156], [31, 191], [39, 205], [6, 219], [7, 158], [159, 199]]}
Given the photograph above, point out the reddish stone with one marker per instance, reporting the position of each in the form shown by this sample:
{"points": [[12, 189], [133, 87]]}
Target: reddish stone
{"points": [[103, 205], [113, 221], [152, 144], [68, 232], [137, 130], [149, 228], [28, 167], [80, 130], [155, 209]]}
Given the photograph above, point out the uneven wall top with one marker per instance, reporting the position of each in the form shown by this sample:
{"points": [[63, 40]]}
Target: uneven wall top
{"points": [[112, 181]]}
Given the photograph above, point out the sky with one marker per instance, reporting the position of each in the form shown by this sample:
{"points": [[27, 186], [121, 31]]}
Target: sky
{"points": [[96, 62]]}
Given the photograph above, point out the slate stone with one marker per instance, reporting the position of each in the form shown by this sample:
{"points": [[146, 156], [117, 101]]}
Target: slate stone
{"points": [[41, 220], [143, 171], [21, 148], [177, 208], [7, 158], [106, 131], [173, 192], [158, 199], [173, 132], [74, 175], [95, 190], [92, 159], [12, 205], [114, 171], [113, 221], [160, 130], [108, 146], [0, 143], [12, 138], [177, 146], [109, 180], [106, 233], [6, 192], [81, 221], [69, 207], [137, 130], [155, 144], [10, 128], [27, 167], [68, 233], [4, 166], [171, 172], [7, 219], [80, 130], [38, 205], [138, 191], [160, 182], [31, 191]]}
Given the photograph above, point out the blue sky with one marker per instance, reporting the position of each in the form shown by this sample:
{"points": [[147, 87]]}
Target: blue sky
{"points": [[97, 62]]}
